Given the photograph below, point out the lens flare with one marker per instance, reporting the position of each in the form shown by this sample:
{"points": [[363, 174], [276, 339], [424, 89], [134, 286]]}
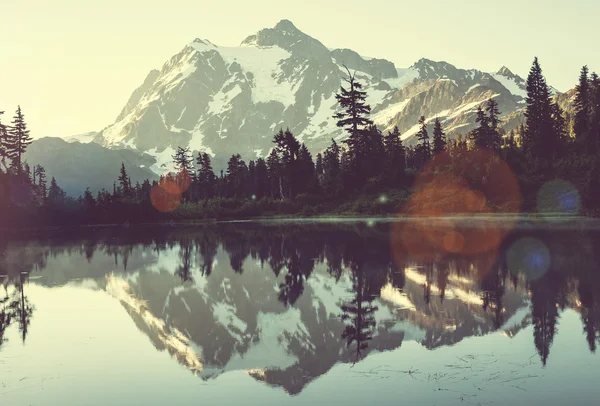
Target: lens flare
{"points": [[558, 196], [448, 188], [165, 196], [530, 257]]}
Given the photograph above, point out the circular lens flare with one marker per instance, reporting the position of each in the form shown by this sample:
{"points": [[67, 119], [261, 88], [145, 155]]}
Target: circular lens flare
{"points": [[447, 190], [165, 196]]}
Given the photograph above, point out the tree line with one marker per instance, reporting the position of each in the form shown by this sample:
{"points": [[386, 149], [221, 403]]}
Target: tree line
{"points": [[369, 172]]}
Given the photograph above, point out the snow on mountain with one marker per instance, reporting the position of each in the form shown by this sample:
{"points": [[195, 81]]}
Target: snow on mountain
{"points": [[225, 100], [82, 138]]}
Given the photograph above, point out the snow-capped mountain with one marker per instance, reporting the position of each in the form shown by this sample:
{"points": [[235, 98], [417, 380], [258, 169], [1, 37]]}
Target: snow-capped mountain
{"points": [[226, 100]]}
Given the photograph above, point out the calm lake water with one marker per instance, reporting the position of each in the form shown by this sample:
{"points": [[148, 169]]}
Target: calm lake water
{"points": [[303, 313]]}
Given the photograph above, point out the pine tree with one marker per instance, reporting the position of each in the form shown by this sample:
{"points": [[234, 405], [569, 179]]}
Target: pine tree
{"points": [[374, 158], [581, 125], [206, 176], [262, 178], [493, 118], [288, 149], [274, 168], [124, 181], [17, 141], [353, 118], [439, 138], [332, 179], [595, 113], [4, 141], [88, 201], [55, 194], [423, 149], [305, 182], [537, 141], [395, 161], [183, 160], [480, 134], [319, 168], [237, 172]]}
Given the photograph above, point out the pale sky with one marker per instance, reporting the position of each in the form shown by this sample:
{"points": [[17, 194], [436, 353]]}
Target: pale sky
{"points": [[72, 64]]}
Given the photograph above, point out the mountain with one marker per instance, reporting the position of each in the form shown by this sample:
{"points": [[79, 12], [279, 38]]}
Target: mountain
{"points": [[73, 163], [226, 100], [223, 320], [83, 138]]}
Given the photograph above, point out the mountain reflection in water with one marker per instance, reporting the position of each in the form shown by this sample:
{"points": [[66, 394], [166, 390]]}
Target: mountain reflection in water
{"points": [[288, 301]]}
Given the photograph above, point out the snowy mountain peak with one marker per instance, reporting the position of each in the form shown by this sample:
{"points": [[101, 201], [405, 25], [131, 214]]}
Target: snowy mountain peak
{"points": [[286, 36], [225, 100], [504, 71], [507, 73], [286, 26]]}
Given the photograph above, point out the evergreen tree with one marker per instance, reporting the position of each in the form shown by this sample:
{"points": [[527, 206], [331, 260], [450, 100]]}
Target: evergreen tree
{"points": [[332, 179], [17, 141], [581, 124], [305, 182], [353, 118], [274, 167], [88, 201], [261, 174], [288, 148], [56, 195], [374, 157], [395, 161], [124, 182], [319, 168], [538, 139], [237, 172], [480, 134], [494, 136], [439, 138], [4, 142], [423, 149], [183, 160], [595, 113], [205, 177]]}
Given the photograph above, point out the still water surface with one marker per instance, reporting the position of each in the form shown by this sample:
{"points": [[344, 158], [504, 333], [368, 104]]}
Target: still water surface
{"points": [[276, 313]]}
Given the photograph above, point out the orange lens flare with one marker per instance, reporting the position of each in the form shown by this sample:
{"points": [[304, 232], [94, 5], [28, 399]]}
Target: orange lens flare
{"points": [[166, 196], [448, 188]]}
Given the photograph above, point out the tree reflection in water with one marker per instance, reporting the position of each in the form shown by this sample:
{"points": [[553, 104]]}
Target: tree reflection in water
{"points": [[358, 252]]}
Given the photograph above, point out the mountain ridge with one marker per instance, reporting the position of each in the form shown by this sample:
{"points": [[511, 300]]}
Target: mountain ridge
{"points": [[227, 100]]}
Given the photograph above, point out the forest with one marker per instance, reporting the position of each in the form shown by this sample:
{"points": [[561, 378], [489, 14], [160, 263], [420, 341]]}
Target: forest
{"points": [[549, 164]]}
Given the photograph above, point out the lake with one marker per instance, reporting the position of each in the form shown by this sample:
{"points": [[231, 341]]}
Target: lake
{"points": [[444, 312]]}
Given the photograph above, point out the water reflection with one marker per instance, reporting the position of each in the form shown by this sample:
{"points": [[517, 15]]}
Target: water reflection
{"points": [[286, 301]]}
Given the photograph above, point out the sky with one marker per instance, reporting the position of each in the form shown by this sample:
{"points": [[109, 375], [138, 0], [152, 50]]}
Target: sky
{"points": [[71, 65]]}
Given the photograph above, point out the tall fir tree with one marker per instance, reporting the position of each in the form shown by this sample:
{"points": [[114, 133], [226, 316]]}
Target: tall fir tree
{"points": [[480, 134], [56, 195], [493, 118], [538, 141], [332, 175], [595, 112], [205, 177], [288, 148], [395, 161], [124, 182], [183, 160], [4, 141], [274, 167], [581, 124], [354, 119], [439, 138], [17, 141], [423, 149]]}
